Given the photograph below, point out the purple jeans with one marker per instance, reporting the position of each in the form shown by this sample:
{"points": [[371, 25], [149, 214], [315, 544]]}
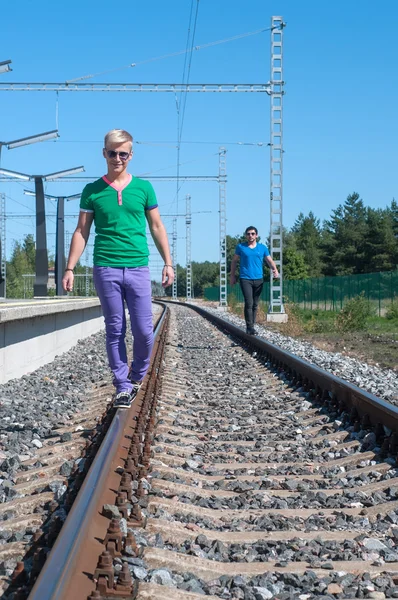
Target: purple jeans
{"points": [[114, 286]]}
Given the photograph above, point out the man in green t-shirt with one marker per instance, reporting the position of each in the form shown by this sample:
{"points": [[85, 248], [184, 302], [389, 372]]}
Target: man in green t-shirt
{"points": [[120, 206]]}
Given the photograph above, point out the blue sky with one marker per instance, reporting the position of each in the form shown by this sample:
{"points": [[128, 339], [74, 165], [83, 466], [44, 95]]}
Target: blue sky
{"points": [[340, 126]]}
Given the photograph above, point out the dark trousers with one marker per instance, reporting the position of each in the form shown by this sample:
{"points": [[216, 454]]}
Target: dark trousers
{"points": [[251, 289]]}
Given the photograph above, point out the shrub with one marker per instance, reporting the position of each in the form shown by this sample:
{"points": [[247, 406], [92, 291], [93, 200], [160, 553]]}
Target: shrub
{"points": [[392, 312], [354, 314], [294, 326], [319, 325], [234, 305]]}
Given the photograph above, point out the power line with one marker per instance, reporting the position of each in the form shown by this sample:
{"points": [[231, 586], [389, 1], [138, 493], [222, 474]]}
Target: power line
{"points": [[160, 143], [189, 68], [183, 99], [24, 205], [187, 162], [166, 142], [172, 54]]}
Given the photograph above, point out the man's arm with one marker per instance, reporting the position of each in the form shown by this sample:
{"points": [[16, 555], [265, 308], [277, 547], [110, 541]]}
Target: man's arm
{"points": [[232, 278], [77, 245], [159, 236], [273, 266]]}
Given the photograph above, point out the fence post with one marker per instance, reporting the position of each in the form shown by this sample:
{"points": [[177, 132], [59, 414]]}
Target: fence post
{"points": [[391, 289], [305, 292], [379, 293], [341, 292]]}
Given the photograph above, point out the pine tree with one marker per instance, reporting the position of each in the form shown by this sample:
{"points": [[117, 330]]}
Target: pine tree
{"points": [[344, 238], [308, 240], [380, 245]]}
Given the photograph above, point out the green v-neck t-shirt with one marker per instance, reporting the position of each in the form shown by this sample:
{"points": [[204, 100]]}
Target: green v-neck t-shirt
{"points": [[120, 221]]}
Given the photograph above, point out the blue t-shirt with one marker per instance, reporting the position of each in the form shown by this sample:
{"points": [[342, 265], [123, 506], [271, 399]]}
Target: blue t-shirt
{"points": [[251, 260]]}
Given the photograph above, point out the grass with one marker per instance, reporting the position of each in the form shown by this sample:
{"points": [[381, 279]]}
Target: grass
{"points": [[325, 321], [356, 332]]}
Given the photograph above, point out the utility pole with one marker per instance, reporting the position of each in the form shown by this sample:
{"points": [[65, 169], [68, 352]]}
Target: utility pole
{"points": [[276, 311], [188, 221], [222, 174], [3, 263], [174, 254], [60, 247]]}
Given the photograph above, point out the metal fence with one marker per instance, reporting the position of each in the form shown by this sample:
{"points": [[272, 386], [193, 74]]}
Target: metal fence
{"points": [[83, 285], [330, 293]]}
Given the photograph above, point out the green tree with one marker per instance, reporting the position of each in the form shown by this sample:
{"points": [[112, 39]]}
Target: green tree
{"points": [[393, 210], [344, 238], [308, 240], [380, 245], [29, 247], [232, 242], [206, 274], [294, 266], [22, 262]]}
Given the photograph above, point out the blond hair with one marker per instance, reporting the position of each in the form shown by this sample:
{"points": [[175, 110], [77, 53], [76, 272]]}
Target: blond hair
{"points": [[120, 136]]}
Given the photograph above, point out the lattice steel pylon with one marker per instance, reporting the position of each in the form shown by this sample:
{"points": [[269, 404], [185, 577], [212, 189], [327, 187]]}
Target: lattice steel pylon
{"points": [[222, 173], [188, 221], [174, 254], [3, 263], [276, 163]]}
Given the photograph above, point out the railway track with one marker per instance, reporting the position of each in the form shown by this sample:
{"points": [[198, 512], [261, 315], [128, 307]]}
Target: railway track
{"points": [[241, 472]]}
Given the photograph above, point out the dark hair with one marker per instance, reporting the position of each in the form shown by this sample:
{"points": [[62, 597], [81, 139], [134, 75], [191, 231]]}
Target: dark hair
{"points": [[250, 228]]}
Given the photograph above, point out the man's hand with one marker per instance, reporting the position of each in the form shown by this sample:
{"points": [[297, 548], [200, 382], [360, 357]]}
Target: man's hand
{"points": [[275, 272], [167, 276], [67, 281]]}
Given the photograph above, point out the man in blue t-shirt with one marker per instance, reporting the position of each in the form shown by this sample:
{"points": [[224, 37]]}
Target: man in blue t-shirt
{"points": [[251, 255]]}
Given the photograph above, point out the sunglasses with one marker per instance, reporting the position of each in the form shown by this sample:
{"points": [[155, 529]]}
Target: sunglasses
{"points": [[122, 155], [251, 233]]}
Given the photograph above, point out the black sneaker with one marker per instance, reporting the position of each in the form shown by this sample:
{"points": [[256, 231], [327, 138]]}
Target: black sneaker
{"points": [[136, 388], [250, 331], [123, 400]]}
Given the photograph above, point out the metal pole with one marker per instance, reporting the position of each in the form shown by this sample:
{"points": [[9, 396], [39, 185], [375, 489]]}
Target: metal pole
{"points": [[60, 247], [174, 253], [3, 263], [222, 168], [276, 164], [41, 278], [188, 221]]}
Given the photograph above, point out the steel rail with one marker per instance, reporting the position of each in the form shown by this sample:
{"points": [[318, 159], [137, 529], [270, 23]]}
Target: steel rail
{"points": [[60, 567], [315, 378]]}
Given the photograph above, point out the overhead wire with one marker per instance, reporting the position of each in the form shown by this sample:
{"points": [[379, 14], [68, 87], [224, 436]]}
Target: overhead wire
{"points": [[183, 99], [178, 103], [21, 203], [172, 54], [172, 143], [189, 65], [187, 162]]}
